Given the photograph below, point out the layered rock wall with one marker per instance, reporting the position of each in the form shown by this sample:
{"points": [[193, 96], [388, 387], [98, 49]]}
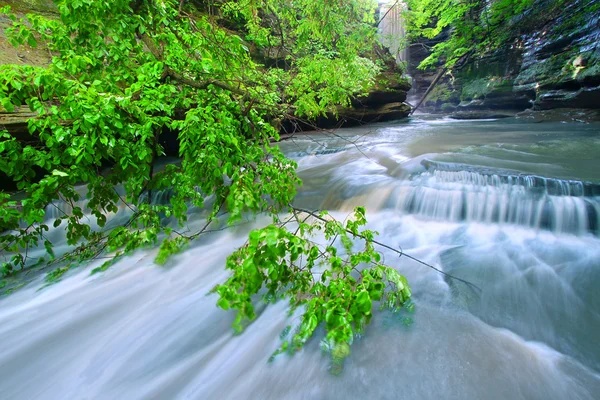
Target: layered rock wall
{"points": [[553, 63]]}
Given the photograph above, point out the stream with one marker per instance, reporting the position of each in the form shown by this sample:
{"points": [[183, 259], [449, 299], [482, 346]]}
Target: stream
{"points": [[513, 207]]}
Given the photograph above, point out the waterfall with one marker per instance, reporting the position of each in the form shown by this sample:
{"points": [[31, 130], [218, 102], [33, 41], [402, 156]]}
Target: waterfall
{"points": [[392, 30], [466, 194]]}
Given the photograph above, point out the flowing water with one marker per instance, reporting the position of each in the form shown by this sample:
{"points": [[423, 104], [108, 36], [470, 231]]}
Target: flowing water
{"points": [[512, 207]]}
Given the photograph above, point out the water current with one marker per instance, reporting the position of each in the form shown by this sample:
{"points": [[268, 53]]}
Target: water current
{"points": [[513, 207]]}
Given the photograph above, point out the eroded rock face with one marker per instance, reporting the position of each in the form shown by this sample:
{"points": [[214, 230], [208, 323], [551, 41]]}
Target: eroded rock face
{"points": [[365, 115], [554, 62], [419, 51], [561, 63], [391, 87], [385, 102], [349, 117], [560, 114]]}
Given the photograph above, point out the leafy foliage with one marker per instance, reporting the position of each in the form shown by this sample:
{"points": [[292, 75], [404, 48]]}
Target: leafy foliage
{"points": [[126, 73], [328, 281]]}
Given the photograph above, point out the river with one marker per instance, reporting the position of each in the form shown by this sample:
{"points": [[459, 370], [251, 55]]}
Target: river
{"points": [[513, 207]]}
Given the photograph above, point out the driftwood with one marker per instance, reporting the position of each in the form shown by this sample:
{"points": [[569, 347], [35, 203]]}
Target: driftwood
{"points": [[459, 64], [429, 89]]}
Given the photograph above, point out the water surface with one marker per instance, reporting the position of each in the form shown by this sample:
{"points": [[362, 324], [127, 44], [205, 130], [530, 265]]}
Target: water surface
{"points": [[510, 206]]}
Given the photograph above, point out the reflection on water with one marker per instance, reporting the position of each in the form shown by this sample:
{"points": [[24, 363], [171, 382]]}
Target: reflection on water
{"points": [[502, 204]]}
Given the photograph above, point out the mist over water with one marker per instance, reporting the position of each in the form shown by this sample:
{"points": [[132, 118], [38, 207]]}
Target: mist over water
{"points": [[512, 207]]}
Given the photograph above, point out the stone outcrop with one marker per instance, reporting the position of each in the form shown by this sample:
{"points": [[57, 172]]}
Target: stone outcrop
{"points": [[418, 51], [391, 87], [16, 123], [365, 115], [560, 114], [385, 102], [553, 62]]}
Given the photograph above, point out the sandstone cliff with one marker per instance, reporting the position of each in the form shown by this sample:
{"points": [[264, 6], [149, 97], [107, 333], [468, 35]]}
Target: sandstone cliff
{"points": [[552, 62]]}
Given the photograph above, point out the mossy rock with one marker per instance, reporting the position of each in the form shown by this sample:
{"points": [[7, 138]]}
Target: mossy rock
{"points": [[442, 93], [481, 88], [448, 107], [26, 6], [391, 81], [553, 72], [360, 116], [390, 87], [587, 71]]}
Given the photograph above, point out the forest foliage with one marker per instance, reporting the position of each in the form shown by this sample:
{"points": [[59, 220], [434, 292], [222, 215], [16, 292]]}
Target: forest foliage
{"points": [[123, 74]]}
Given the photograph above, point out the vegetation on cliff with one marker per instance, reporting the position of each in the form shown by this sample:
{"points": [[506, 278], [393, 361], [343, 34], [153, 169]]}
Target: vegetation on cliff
{"points": [[476, 27], [507, 55]]}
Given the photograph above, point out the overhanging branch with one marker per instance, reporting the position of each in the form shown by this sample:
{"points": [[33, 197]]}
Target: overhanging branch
{"points": [[399, 252], [181, 78]]}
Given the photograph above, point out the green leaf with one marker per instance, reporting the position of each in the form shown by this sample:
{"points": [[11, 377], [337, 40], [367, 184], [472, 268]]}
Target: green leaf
{"points": [[8, 105], [31, 41], [364, 302], [59, 173]]}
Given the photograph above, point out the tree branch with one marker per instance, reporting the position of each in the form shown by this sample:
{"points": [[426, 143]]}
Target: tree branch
{"points": [[180, 77], [399, 252]]}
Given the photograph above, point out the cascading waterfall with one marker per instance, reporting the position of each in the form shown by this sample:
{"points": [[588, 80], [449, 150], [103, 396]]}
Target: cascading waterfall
{"points": [[461, 193], [448, 192], [392, 29]]}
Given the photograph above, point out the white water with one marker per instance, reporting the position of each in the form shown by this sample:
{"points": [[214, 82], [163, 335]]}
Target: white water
{"points": [[140, 331]]}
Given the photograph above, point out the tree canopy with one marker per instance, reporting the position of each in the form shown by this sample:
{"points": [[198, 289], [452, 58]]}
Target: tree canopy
{"points": [[219, 77]]}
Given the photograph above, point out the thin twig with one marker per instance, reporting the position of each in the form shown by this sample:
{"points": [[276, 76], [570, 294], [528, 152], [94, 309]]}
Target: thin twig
{"points": [[399, 252]]}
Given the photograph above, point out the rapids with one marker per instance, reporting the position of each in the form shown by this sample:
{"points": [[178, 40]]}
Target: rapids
{"points": [[513, 207]]}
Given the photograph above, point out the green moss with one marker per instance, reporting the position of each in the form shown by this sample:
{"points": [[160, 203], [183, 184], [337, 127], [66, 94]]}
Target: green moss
{"points": [[448, 107], [26, 6], [574, 21], [479, 88], [590, 68], [592, 71], [391, 81], [440, 94], [552, 71], [485, 68]]}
